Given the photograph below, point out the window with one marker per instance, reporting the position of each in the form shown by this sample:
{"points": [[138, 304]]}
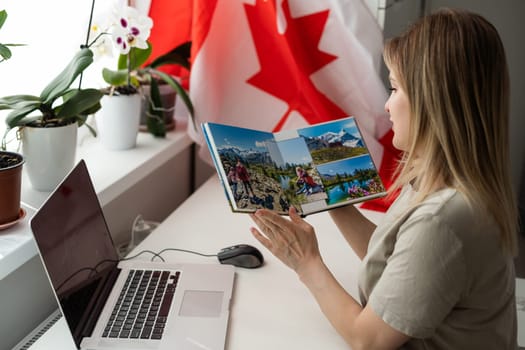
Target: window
{"points": [[52, 31]]}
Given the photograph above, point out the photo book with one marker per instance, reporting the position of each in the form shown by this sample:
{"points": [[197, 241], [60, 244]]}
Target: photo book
{"points": [[313, 169]]}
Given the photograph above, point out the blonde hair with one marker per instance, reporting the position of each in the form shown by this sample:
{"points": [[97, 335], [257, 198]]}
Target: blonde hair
{"points": [[452, 66]]}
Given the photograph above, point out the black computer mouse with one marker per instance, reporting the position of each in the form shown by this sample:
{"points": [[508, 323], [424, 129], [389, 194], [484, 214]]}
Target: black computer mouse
{"points": [[241, 255]]}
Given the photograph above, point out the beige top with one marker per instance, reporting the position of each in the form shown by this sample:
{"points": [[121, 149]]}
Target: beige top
{"points": [[436, 273]]}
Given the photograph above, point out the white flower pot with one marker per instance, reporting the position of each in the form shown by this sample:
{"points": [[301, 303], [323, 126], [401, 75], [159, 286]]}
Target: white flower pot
{"points": [[118, 121], [49, 154]]}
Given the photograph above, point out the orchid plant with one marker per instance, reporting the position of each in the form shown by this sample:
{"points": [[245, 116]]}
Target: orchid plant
{"points": [[130, 30], [58, 104]]}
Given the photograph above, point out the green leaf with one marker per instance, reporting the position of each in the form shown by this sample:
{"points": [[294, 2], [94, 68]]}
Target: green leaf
{"points": [[155, 115], [19, 116], [14, 101], [115, 78], [122, 63], [93, 109], [63, 81], [180, 91], [5, 52], [25, 104], [177, 87], [137, 57], [79, 102], [81, 120], [3, 17], [179, 56]]}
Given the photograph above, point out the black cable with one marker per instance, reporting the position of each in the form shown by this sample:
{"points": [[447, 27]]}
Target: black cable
{"points": [[142, 252], [185, 251], [155, 255]]}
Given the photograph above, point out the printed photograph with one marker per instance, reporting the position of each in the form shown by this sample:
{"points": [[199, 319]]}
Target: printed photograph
{"points": [[350, 178], [332, 141], [297, 175], [251, 173]]}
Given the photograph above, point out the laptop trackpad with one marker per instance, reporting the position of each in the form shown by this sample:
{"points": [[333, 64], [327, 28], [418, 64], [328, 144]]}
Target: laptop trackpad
{"points": [[200, 303]]}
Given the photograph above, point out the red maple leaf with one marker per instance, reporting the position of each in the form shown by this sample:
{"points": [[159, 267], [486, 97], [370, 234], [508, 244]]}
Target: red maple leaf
{"points": [[288, 60]]}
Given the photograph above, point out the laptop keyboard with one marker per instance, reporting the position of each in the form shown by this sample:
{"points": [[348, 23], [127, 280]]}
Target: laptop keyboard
{"points": [[142, 308]]}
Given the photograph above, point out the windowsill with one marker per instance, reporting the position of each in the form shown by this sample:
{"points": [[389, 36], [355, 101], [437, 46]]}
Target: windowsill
{"points": [[112, 173]]}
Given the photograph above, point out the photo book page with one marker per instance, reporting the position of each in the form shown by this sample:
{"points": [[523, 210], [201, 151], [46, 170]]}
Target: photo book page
{"points": [[313, 169]]}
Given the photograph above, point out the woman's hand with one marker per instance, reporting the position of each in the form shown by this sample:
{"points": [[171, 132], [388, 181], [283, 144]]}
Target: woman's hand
{"points": [[295, 244], [291, 241]]}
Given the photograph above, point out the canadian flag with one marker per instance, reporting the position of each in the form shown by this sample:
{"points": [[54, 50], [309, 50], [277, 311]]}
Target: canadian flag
{"points": [[278, 64]]}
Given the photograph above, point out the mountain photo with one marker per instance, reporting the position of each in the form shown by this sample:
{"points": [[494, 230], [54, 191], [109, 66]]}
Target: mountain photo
{"points": [[332, 141], [252, 150]]}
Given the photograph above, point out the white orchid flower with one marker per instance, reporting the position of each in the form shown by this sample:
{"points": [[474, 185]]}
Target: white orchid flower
{"points": [[131, 29], [102, 45]]}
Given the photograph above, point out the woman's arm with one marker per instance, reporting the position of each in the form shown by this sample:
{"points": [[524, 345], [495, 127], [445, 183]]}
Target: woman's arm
{"points": [[295, 244], [354, 227], [360, 327]]}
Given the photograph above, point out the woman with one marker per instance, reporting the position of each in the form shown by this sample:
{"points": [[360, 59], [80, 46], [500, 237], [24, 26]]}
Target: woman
{"points": [[438, 272]]}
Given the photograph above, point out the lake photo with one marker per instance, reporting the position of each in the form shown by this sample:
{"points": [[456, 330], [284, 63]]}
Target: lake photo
{"points": [[350, 178]]}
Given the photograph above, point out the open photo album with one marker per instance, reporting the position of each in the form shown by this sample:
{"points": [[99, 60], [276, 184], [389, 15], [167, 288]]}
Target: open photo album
{"points": [[314, 168]]}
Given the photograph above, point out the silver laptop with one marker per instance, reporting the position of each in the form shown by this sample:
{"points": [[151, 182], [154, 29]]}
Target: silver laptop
{"points": [[128, 304]]}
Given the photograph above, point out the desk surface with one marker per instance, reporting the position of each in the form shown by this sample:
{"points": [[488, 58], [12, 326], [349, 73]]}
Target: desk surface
{"points": [[270, 307]]}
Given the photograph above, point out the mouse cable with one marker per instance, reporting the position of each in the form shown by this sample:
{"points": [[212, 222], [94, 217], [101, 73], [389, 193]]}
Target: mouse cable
{"points": [[159, 254], [154, 255], [184, 251]]}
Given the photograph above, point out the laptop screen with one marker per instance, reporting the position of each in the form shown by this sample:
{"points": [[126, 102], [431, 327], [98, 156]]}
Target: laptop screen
{"points": [[75, 245]]}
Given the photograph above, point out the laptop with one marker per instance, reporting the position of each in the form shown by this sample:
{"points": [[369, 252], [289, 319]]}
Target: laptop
{"points": [[127, 304]]}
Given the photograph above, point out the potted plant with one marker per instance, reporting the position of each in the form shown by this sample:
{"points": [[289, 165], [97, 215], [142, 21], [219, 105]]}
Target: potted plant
{"points": [[10, 186], [48, 123], [10, 165], [119, 117], [160, 90], [132, 74]]}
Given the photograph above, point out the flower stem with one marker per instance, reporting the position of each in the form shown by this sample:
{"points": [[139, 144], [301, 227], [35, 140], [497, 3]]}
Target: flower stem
{"points": [[87, 37], [129, 69]]}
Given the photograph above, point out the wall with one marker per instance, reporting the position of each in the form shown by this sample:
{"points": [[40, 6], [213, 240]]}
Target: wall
{"points": [[27, 300], [506, 15], [154, 197]]}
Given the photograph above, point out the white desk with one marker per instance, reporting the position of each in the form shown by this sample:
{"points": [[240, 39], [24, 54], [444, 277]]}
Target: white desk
{"points": [[270, 307]]}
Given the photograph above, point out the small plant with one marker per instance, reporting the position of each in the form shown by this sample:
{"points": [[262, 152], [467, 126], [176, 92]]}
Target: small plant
{"points": [[58, 104], [5, 52], [129, 31], [150, 74]]}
